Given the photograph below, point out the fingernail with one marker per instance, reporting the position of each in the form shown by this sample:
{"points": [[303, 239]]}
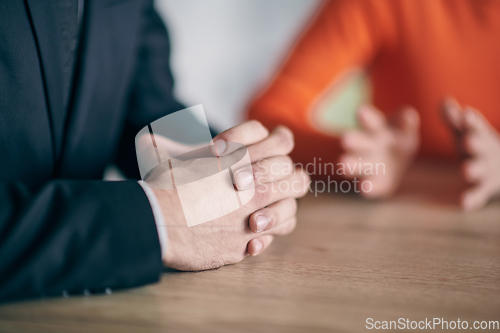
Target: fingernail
{"points": [[258, 246], [243, 179], [219, 147], [261, 223]]}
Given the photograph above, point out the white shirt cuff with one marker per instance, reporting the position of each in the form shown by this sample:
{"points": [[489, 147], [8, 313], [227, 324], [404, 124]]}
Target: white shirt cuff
{"points": [[161, 227]]}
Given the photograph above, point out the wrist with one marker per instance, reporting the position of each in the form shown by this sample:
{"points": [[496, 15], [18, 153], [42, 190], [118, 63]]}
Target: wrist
{"points": [[159, 217], [173, 216]]}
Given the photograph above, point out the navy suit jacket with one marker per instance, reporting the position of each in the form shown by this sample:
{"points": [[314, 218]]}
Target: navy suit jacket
{"points": [[63, 229]]}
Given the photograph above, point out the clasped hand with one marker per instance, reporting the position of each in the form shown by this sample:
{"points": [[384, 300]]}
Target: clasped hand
{"points": [[250, 229]]}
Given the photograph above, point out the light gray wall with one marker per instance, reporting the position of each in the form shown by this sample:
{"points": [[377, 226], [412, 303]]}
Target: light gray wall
{"points": [[224, 50]]}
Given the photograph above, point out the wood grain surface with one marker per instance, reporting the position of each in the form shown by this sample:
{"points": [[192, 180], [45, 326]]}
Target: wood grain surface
{"points": [[415, 256]]}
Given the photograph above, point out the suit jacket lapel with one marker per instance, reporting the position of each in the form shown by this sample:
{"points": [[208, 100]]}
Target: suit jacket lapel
{"points": [[108, 38], [47, 37]]}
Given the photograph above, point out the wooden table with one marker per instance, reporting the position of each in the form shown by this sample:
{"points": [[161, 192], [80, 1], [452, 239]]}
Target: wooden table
{"points": [[415, 256]]}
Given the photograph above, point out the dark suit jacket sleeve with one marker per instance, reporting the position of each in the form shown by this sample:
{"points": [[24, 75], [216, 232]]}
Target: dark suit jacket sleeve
{"points": [[75, 237], [152, 92]]}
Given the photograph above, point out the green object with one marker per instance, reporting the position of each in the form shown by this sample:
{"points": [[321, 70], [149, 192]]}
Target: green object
{"points": [[338, 108]]}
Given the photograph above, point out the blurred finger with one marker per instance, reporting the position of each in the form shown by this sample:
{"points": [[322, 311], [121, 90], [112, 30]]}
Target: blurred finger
{"points": [[408, 120], [279, 142], [354, 165], [259, 244], [247, 133], [475, 122], [349, 162], [472, 144], [452, 114], [273, 215], [355, 141], [371, 119], [476, 198], [272, 169], [284, 228], [472, 170], [377, 187], [264, 171], [295, 186]]}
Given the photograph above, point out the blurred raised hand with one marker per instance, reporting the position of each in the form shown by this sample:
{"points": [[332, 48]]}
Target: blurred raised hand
{"points": [[479, 144], [392, 142]]}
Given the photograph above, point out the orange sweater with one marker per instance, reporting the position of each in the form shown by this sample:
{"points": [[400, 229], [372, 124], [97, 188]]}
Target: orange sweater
{"points": [[415, 52]]}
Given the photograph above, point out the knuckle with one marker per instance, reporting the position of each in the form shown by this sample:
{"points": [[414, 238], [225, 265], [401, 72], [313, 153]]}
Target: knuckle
{"points": [[304, 176], [298, 187], [276, 168], [288, 163], [257, 126], [144, 139], [290, 225], [274, 218], [261, 169], [255, 123], [261, 197], [293, 206], [229, 135], [288, 208], [303, 193], [285, 138], [305, 187]]}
